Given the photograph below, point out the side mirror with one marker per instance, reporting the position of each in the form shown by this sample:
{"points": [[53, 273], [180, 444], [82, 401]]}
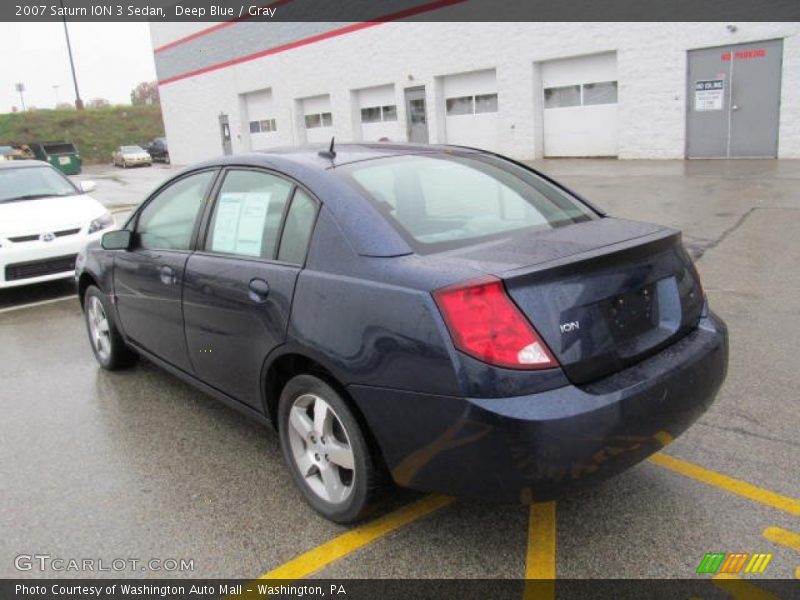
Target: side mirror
{"points": [[88, 186], [121, 239]]}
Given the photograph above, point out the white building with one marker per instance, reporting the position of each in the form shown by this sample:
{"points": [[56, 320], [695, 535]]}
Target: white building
{"points": [[632, 90]]}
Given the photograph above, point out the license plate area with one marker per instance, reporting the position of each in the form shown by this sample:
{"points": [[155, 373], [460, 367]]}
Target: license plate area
{"points": [[633, 313]]}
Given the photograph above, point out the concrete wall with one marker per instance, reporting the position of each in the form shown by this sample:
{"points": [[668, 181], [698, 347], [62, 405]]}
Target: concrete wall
{"points": [[651, 68]]}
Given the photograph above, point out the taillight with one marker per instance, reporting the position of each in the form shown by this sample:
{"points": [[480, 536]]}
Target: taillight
{"points": [[486, 324]]}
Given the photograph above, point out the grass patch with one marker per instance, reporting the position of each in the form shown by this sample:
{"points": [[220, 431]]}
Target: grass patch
{"points": [[95, 131]]}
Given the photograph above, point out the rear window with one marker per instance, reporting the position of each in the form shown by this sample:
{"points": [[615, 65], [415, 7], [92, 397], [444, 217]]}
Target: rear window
{"points": [[443, 201]]}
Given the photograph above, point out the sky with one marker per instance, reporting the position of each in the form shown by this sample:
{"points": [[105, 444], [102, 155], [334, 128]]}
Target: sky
{"points": [[110, 59]]}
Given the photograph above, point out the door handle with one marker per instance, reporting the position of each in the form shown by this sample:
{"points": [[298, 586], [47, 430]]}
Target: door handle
{"points": [[259, 290], [167, 275], [735, 107]]}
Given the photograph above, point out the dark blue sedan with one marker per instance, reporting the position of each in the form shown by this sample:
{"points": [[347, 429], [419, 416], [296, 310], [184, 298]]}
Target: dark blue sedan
{"points": [[440, 316]]}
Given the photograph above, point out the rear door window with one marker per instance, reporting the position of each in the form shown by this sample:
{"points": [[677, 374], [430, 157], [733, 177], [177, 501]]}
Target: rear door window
{"points": [[297, 229], [248, 213]]}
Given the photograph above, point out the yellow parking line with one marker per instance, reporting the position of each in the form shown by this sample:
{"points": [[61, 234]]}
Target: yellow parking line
{"points": [[740, 589], [540, 563], [735, 486], [783, 537], [355, 539]]}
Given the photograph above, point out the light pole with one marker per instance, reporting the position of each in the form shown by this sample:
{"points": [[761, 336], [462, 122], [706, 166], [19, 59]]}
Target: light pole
{"points": [[78, 101], [20, 87]]}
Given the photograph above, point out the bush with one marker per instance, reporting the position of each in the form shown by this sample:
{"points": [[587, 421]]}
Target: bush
{"points": [[95, 131]]}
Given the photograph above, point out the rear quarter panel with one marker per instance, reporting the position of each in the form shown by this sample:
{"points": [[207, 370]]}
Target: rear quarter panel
{"points": [[365, 323]]}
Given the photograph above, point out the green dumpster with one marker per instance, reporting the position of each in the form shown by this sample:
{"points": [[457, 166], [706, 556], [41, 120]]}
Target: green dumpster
{"points": [[64, 156]]}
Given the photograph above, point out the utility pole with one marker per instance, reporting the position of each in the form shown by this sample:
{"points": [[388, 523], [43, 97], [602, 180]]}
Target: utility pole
{"points": [[78, 101], [20, 87]]}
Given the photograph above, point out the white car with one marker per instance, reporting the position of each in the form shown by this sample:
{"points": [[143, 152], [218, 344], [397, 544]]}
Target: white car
{"points": [[45, 220], [130, 156]]}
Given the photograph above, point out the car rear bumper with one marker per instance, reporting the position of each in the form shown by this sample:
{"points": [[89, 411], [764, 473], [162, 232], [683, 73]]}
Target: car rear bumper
{"points": [[543, 446]]}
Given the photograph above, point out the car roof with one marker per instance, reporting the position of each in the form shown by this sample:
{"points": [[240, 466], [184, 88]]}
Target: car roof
{"points": [[16, 164], [314, 156], [310, 166]]}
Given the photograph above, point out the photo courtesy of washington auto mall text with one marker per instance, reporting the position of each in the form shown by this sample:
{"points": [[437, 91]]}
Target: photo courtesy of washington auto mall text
{"points": [[199, 591]]}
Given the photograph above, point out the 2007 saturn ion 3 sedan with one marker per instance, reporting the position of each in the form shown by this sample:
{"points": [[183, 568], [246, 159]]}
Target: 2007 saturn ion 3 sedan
{"points": [[443, 315]]}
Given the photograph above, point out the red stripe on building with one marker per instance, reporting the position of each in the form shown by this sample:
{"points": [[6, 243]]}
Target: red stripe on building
{"points": [[217, 27], [403, 14]]}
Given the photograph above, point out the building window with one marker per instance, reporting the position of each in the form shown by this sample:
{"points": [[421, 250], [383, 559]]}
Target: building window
{"points": [[389, 112], [263, 126], [486, 103], [460, 106], [376, 114], [562, 97], [471, 105], [604, 92], [319, 120], [587, 94], [371, 114]]}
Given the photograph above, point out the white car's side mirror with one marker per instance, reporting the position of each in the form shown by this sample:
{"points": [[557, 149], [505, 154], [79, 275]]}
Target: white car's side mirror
{"points": [[88, 186]]}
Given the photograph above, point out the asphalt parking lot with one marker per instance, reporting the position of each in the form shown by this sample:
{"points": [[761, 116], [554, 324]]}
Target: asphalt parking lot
{"points": [[139, 464]]}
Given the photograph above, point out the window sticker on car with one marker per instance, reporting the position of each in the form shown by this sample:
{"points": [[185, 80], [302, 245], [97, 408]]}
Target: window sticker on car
{"points": [[239, 226]]}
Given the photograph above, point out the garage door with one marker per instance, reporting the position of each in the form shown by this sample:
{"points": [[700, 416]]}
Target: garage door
{"points": [[259, 117], [377, 113], [317, 119], [580, 106], [471, 106]]}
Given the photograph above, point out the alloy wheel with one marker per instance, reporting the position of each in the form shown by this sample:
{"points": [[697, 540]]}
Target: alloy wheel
{"points": [[99, 328], [321, 448]]}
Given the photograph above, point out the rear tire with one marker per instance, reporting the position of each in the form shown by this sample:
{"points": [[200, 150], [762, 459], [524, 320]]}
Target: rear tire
{"points": [[107, 344], [326, 450]]}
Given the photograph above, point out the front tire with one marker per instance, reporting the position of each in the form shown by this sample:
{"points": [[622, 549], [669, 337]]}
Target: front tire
{"points": [[326, 451], [108, 346]]}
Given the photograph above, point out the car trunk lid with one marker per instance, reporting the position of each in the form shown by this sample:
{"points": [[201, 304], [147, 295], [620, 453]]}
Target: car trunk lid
{"points": [[603, 294]]}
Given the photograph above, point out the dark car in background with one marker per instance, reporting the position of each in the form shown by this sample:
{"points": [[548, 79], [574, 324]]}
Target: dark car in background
{"points": [[158, 149], [441, 314], [64, 156]]}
